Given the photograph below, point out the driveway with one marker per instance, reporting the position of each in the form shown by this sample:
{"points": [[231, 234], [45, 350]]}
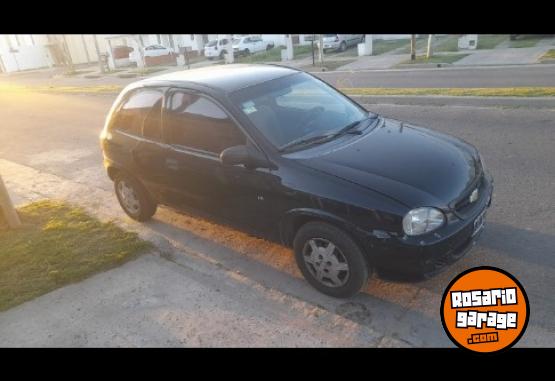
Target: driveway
{"points": [[507, 56]]}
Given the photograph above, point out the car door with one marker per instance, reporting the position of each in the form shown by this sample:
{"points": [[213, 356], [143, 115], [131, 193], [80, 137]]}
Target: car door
{"points": [[259, 44], [198, 129], [137, 134]]}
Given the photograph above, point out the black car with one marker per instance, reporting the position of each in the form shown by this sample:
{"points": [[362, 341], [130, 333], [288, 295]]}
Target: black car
{"points": [[282, 154]]}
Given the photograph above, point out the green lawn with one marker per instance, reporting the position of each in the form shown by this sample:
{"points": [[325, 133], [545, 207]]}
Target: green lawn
{"points": [[57, 245], [448, 58], [274, 54], [421, 42], [481, 92], [490, 41], [384, 46], [447, 44], [77, 72], [549, 55], [525, 41]]}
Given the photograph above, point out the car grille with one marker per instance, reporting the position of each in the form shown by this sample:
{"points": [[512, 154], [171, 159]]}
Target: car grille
{"points": [[435, 265]]}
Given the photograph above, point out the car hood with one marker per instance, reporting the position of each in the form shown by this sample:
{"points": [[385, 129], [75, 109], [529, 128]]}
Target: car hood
{"points": [[413, 165]]}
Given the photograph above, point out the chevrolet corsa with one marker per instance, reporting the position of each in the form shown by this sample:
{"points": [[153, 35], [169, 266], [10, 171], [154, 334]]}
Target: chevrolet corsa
{"points": [[283, 155]]}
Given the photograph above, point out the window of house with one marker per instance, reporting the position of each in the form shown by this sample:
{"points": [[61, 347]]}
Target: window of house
{"points": [[140, 114], [196, 122]]}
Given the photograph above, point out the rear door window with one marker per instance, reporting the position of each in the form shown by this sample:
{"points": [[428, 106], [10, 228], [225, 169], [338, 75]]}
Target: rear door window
{"points": [[140, 114], [196, 122]]}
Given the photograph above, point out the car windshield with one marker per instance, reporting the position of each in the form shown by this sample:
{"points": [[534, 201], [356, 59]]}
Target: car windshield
{"points": [[236, 41], [212, 43], [295, 107]]}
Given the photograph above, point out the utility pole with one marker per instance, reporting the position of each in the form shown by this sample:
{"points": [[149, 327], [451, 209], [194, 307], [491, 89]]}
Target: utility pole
{"points": [[7, 208], [312, 46], [98, 54], [413, 47], [321, 49], [429, 53], [69, 61], [141, 64]]}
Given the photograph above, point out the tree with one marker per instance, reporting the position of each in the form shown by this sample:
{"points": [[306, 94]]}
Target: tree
{"points": [[7, 207]]}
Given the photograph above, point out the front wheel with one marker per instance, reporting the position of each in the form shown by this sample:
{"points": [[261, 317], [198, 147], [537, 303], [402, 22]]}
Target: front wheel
{"points": [[330, 260], [343, 46], [134, 198]]}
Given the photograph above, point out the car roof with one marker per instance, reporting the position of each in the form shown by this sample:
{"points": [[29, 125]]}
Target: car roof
{"points": [[227, 78]]}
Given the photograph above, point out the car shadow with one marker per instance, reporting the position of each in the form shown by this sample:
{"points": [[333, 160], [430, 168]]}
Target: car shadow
{"points": [[392, 308]]}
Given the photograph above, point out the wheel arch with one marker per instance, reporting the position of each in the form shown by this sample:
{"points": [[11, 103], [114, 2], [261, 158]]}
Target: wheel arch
{"points": [[295, 218]]}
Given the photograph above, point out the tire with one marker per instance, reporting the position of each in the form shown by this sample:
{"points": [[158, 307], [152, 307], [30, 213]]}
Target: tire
{"points": [[222, 54], [343, 46], [269, 47], [139, 197], [247, 52], [347, 264]]}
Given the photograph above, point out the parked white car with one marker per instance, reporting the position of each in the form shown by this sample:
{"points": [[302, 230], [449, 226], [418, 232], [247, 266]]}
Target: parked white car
{"points": [[250, 44], [157, 50], [216, 48], [341, 41]]}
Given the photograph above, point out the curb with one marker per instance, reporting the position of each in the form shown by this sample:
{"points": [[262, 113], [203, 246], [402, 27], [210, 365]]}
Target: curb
{"points": [[422, 66]]}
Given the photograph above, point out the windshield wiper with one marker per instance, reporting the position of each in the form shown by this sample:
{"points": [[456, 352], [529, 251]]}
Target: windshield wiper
{"points": [[318, 139], [306, 140]]}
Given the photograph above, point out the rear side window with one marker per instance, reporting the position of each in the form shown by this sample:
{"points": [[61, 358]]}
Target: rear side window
{"points": [[140, 114], [196, 122]]}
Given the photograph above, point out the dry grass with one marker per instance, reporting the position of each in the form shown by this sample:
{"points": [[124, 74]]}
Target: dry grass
{"points": [[58, 244]]}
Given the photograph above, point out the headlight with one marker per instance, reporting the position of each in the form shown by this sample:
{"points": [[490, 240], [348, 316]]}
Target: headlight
{"points": [[422, 220]]}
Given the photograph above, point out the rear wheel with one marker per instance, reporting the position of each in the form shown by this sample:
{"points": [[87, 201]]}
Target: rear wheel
{"points": [[247, 52], [343, 46], [133, 198], [330, 260]]}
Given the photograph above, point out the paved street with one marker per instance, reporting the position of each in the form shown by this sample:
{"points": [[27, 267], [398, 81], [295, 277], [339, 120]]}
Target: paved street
{"points": [[495, 76], [58, 135]]}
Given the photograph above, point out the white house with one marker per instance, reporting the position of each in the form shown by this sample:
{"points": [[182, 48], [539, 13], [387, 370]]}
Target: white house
{"points": [[34, 51]]}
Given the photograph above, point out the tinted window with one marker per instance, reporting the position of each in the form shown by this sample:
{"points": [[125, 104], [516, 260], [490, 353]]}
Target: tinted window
{"points": [[199, 123], [140, 112]]}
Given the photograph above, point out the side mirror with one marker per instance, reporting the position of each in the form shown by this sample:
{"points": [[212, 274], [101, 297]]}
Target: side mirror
{"points": [[250, 158]]}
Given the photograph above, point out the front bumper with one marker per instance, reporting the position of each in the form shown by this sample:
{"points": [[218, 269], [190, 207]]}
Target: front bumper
{"points": [[211, 53], [431, 253], [331, 45]]}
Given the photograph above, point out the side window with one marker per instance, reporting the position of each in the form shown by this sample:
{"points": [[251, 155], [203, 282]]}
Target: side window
{"points": [[140, 114], [197, 122]]}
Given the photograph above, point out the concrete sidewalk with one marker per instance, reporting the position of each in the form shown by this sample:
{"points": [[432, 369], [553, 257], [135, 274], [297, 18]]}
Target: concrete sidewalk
{"points": [[174, 296]]}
